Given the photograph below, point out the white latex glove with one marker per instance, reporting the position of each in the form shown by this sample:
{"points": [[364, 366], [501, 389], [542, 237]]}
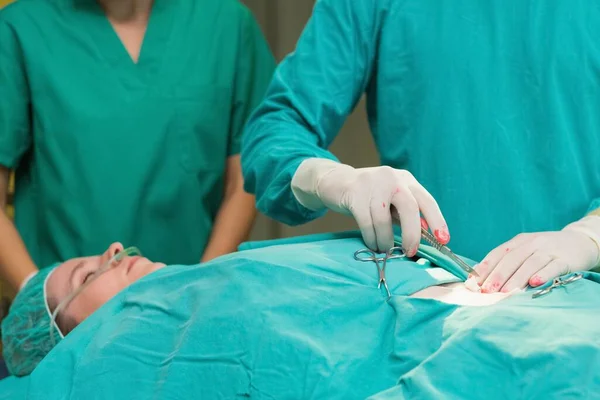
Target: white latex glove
{"points": [[368, 195], [536, 258]]}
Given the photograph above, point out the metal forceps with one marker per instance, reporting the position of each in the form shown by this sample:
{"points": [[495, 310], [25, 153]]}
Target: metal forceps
{"points": [[556, 283], [445, 250], [369, 255]]}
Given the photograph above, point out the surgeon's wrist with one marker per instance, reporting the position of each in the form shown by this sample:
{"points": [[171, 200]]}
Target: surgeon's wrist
{"points": [[306, 180], [590, 227]]}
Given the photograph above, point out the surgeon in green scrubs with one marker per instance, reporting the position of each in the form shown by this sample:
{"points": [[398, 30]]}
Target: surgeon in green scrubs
{"points": [[485, 114], [123, 121]]}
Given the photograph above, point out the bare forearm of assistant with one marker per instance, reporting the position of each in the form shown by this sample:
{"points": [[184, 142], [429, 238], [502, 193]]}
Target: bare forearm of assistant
{"points": [[232, 224], [15, 262]]}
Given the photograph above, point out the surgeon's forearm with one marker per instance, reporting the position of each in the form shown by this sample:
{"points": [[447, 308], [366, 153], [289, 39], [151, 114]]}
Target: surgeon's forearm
{"points": [[15, 262], [232, 225], [311, 94]]}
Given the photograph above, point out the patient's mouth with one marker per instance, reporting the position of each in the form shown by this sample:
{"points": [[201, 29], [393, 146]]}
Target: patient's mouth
{"points": [[131, 262]]}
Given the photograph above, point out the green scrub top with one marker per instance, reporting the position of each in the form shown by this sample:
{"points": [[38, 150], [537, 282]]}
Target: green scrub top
{"points": [[109, 150], [492, 105]]}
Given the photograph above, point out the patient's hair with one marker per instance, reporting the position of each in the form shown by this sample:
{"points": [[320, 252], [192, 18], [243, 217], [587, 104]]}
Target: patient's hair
{"points": [[65, 322]]}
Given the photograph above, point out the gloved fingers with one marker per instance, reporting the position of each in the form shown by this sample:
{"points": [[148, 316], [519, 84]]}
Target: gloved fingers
{"points": [[507, 266], [491, 260], [410, 221], [362, 216], [382, 223], [554, 268], [432, 213], [525, 273]]}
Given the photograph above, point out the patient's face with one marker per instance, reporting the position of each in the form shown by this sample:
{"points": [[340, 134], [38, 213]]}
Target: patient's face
{"points": [[73, 273]]}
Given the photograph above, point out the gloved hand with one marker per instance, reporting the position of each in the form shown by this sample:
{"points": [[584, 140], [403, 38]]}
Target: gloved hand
{"points": [[535, 258], [368, 194]]}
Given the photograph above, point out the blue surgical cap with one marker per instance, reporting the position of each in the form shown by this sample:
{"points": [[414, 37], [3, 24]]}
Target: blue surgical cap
{"points": [[26, 334]]}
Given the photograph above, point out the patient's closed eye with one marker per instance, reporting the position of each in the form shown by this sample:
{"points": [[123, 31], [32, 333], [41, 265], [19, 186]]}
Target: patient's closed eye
{"points": [[87, 277]]}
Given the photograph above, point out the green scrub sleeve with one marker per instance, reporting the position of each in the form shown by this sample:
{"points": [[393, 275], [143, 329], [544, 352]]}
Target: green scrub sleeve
{"points": [[313, 91], [254, 70], [15, 134]]}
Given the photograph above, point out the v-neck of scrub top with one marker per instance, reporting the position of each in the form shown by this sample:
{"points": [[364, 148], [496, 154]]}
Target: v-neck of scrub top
{"points": [[111, 48]]}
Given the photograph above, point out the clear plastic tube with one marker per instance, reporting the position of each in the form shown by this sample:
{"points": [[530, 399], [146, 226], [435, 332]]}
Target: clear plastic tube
{"points": [[114, 261]]}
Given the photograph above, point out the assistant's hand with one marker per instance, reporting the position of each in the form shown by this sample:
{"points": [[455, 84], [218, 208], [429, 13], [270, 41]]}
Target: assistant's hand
{"points": [[535, 258], [368, 194]]}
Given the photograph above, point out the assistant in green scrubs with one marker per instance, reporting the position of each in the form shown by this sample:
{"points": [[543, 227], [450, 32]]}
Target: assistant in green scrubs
{"points": [[492, 106], [108, 149]]}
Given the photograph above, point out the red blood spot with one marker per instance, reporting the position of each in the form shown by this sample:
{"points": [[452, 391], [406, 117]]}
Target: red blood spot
{"points": [[414, 250], [442, 235], [507, 249], [424, 224], [397, 190], [495, 286], [536, 281], [383, 205], [484, 290]]}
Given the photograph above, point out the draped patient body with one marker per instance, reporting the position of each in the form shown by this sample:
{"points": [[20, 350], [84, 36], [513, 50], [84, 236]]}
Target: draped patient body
{"points": [[73, 273], [301, 318]]}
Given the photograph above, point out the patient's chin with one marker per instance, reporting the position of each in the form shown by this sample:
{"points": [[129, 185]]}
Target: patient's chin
{"points": [[142, 270]]}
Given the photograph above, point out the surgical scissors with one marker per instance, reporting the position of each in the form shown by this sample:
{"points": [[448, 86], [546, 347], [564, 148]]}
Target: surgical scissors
{"points": [[445, 250], [365, 255], [556, 283]]}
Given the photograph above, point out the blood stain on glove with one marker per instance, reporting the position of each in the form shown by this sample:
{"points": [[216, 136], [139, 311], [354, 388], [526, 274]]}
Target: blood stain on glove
{"points": [[414, 250], [490, 288], [442, 235], [536, 280]]}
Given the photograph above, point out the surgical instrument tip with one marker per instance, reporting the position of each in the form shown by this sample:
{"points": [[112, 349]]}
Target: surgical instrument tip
{"points": [[370, 255], [428, 236]]}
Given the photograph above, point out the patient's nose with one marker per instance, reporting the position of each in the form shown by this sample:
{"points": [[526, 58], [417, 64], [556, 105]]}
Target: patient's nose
{"points": [[113, 250]]}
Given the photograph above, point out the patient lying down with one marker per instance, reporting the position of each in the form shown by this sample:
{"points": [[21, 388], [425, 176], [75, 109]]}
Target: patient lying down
{"points": [[71, 275], [300, 320], [70, 292]]}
